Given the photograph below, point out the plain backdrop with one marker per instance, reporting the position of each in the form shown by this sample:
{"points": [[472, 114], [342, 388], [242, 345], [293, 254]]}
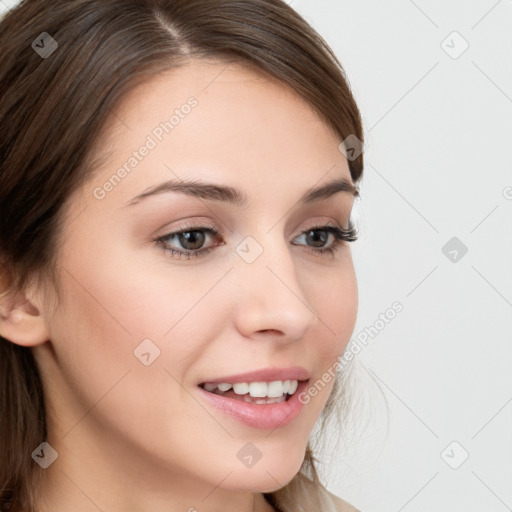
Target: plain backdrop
{"points": [[433, 80]]}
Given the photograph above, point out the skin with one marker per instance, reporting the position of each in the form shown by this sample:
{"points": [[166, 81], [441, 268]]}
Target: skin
{"points": [[132, 437]]}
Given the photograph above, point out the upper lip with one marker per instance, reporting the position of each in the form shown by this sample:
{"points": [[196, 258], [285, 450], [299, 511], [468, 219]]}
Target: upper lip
{"points": [[264, 375]]}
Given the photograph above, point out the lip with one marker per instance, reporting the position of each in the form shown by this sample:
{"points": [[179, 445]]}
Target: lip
{"points": [[265, 375], [260, 416]]}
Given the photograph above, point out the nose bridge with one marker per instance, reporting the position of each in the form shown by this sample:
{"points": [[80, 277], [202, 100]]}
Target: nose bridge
{"points": [[270, 297]]}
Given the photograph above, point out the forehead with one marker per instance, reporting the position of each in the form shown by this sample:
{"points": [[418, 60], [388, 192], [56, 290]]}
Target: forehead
{"points": [[243, 127]]}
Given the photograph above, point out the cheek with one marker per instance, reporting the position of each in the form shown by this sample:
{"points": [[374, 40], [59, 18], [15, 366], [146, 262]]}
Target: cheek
{"points": [[128, 293], [106, 312], [336, 303], [334, 297], [117, 307]]}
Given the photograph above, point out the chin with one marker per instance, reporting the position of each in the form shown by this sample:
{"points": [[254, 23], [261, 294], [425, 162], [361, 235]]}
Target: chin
{"points": [[267, 475]]}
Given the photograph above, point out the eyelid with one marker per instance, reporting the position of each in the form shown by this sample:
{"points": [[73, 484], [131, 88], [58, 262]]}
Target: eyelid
{"points": [[188, 226], [203, 225]]}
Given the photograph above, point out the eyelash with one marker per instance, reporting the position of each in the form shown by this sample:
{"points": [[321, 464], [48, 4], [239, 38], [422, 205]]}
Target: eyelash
{"points": [[341, 236]]}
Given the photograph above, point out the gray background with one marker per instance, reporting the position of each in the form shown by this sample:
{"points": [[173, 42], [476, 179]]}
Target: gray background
{"points": [[432, 424], [438, 165]]}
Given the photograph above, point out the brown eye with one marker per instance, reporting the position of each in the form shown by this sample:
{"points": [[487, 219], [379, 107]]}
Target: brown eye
{"points": [[318, 236], [188, 241], [191, 240]]}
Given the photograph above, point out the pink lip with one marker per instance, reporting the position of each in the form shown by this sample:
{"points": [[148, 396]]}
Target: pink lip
{"points": [[265, 375], [262, 416]]}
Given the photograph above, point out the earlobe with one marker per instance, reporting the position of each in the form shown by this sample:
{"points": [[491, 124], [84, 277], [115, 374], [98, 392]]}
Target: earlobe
{"points": [[21, 322]]}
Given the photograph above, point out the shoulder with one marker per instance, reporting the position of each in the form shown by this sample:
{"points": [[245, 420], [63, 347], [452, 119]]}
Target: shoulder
{"points": [[337, 504], [307, 495]]}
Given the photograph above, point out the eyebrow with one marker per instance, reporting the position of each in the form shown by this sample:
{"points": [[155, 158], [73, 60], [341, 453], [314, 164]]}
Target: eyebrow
{"points": [[214, 192]]}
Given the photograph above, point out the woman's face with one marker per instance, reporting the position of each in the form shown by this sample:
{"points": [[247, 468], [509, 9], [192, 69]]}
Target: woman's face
{"points": [[139, 328]]}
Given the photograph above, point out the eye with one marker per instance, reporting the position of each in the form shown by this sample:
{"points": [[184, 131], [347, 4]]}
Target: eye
{"points": [[319, 235], [193, 238]]}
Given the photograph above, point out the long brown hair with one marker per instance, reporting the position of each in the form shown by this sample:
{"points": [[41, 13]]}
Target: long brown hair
{"points": [[53, 106]]}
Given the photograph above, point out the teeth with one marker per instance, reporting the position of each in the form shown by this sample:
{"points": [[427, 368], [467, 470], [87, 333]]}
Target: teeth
{"points": [[274, 389], [241, 388], [248, 398], [258, 389]]}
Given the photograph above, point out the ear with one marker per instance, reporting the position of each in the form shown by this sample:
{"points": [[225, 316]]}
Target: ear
{"points": [[21, 321]]}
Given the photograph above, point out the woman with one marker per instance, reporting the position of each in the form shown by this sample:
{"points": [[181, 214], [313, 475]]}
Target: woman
{"points": [[176, 186]]}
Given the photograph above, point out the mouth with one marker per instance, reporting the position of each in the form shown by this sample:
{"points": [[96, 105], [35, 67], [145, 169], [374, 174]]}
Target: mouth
{"points": [[261, 404], [256, 392]]}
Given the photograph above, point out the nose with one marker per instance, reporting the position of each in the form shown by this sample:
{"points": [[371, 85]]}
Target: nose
{"points": [[269, 299]]}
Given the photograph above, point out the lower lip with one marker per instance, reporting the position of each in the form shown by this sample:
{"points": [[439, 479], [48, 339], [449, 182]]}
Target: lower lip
{"points": [[262, 416]]}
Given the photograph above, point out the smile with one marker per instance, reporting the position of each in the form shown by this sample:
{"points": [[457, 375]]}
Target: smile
{"points": [[255, 392], [257, 404]]}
